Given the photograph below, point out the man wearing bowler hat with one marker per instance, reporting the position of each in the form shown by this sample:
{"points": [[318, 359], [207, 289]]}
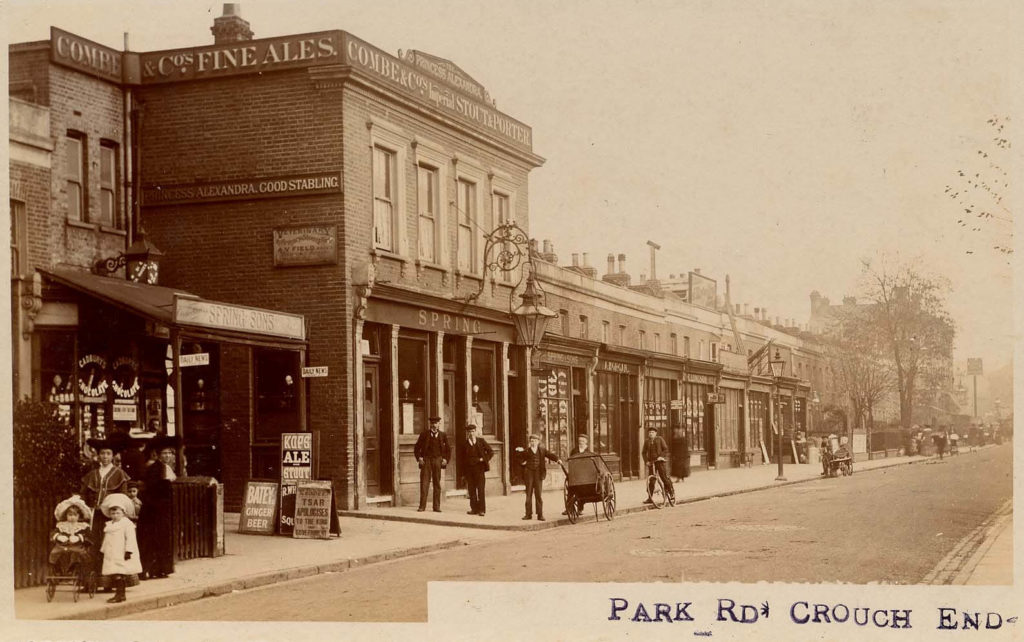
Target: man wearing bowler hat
{"points": [[477, 456], [432, 453], [534, 472]]}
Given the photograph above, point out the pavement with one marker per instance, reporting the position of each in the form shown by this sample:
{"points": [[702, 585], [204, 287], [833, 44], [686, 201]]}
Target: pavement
{"points": [[380, 534]]}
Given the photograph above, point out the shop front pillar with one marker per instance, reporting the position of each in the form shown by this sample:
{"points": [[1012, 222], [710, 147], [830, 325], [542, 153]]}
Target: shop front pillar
{"points": [[396, 416], [358, 395], [505, 432], [438, 409], [528, 389], [467, 390]]}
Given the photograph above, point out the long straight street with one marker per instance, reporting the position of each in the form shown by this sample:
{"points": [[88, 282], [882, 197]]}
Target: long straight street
{"points": [[892, 526]]}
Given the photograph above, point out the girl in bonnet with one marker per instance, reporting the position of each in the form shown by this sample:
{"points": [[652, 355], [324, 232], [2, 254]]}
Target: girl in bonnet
{"points": [[71, 539], [120, 548]]}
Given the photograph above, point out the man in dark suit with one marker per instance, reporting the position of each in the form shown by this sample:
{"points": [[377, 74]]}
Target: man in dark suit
{"points": [[534, 472], [655, 452], [432, 453], [476, 455]]}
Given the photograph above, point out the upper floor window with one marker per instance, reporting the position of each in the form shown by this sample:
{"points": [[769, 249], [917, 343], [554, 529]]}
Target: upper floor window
{"points": [[606, 331], [657, 342], [385, 167], [673, 341], [109, 210], [686, 346], [714, 351], [622, 335], [19, 260], [564, 314], [642, 340], [429, 207], [584, 327], [74, 172], [466, 204]]}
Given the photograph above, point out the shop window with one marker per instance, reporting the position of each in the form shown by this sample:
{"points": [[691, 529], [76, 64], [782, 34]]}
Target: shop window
{"points": [[414, 384], [553, 409], [658, 395], [694, 398], [372, 340], [55, 379], [385, 195], [109, 204], [729, 414], [277, 393], [427, 201], [75, 175], [484, 397]]}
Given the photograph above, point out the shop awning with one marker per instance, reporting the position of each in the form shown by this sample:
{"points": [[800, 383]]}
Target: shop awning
{"points": [[174, 307]]}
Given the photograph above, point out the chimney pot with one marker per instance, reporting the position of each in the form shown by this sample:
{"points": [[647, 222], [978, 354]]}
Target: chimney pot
{"points": [[231, 27], [586, 260], [611, 264], [622, 263], [746, 309], [575, 259]]}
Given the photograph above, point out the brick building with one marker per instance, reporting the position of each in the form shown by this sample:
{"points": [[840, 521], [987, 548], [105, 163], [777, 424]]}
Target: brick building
{"points": [[316, 180]]}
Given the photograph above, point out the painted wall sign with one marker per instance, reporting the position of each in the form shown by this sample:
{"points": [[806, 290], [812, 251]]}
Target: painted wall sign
{"points": [[244, 189], [314, 371], [251, 56], [195, 359], [259, 512], [396, 73], [700, 378], [124, 380], [92, 376], [562, 358], [616, 366], [447, 71], [307, 245], [84, 55], [410, 316], [239, 318]]}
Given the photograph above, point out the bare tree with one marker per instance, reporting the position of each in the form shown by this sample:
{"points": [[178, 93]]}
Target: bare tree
{"points": [[860, 365], [906, 309]]}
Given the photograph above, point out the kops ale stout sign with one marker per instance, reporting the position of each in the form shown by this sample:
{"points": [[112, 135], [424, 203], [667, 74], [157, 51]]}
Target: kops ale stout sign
{"points": [[296, 466]]}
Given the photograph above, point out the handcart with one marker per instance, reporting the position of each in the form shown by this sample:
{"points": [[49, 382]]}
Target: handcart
{"points": [[76, 578], [838, 459], [588, 480]]}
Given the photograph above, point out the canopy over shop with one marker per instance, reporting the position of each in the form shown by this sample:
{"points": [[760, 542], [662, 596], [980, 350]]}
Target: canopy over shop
{"points": [[118, 356]]}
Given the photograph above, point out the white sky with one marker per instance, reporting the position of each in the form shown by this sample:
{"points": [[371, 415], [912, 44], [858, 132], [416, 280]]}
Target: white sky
{"points": [[778, 142]]}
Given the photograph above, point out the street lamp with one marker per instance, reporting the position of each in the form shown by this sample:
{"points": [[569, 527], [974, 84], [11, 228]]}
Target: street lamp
{"points": [[141, 261], [777, 366], [531, 317]]}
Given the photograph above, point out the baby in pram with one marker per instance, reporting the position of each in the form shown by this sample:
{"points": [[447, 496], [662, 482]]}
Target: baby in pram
{"points": [[71, 554]]}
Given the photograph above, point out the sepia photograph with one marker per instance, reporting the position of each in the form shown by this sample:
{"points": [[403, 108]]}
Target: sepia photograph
{"points": [[494, 320]]}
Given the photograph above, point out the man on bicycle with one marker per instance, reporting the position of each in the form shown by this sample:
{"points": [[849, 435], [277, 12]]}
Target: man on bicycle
{"points": [[656, 454]]}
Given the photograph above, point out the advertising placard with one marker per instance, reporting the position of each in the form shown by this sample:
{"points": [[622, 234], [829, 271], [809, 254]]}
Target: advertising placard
{"points": [[259, 509], [296, 466], [313, 505], [974, 367]]}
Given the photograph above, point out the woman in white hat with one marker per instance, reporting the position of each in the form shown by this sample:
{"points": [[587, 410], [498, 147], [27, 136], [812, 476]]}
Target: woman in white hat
{"points": [[120, 549]]}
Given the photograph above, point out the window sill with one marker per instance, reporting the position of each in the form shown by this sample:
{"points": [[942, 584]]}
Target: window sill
{"points": [[437, 267], [81, 224], [113, 230], [379, 253], [469, 275]]}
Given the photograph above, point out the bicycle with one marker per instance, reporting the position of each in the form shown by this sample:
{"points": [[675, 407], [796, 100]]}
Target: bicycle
{"points": [[656, 492]]}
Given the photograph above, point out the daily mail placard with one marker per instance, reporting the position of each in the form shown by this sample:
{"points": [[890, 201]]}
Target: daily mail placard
{"points": [[259, 509], [296, 466]]}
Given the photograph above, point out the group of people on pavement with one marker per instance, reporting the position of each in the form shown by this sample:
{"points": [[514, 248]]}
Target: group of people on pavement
{"points": [[433, 454], [127, 504]]}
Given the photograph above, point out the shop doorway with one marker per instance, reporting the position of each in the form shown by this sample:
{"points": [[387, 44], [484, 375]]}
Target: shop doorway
{"points": [[452, 420], [375, 440], [710, 438]]}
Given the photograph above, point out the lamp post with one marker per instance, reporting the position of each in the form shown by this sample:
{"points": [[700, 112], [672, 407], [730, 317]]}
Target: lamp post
{"points": [[141, 262], [777, 366]]}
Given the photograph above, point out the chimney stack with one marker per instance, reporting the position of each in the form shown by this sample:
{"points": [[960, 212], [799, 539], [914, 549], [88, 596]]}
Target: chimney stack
{"points": [[575, 259], [622, 263], [654, 248], [231, 27], [620, 277], [549, 252], [746, 309], [764, 314], [611, 264]]}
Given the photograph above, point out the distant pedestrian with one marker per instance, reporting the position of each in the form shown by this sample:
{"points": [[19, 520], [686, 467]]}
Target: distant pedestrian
{"points": [[477, 456], [432, 453], [120, 548], [534, 471]]}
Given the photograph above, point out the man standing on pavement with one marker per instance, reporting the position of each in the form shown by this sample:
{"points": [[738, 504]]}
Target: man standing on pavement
{"points": [[477, 455], [534, 472], [432, 454], [656, 452]]}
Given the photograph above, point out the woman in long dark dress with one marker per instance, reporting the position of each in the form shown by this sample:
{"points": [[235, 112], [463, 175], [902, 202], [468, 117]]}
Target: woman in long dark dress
{"points": [[104, 479], [156, 521]]}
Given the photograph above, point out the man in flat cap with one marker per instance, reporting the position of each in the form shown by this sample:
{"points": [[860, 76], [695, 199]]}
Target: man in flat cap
{"points": [[432, 453], [534, 471]]}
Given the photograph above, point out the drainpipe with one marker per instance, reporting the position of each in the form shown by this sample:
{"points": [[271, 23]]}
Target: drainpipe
{"points": [[128, 160]]}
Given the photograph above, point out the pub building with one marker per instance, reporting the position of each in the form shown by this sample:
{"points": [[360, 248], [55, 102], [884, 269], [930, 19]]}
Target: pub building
{"points": [[317, 183]]}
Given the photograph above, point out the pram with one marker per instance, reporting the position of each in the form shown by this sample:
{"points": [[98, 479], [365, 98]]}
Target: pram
{"points": [[587, 479], [71, 563]]}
